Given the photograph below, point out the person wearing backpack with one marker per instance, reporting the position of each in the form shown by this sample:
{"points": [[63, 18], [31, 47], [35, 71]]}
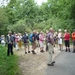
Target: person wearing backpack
{"points": [[73, 38], [46, 40], [32, 39], [37, 39], [26, 42], [50, 41]]}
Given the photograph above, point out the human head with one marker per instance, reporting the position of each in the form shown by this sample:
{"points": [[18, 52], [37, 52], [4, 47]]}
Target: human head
{"points": [[41, 32], [59, 30], [34, 31], [65, 31], [2, 36], [51, 29], [37, 32], [16, 34], [19, 34], [25, 33], [10, 32], [47, 31]]}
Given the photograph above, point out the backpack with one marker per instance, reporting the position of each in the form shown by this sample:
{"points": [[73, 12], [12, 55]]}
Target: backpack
{"points": [[25, 39], [30, 38], [37, 36], [48, 38]]}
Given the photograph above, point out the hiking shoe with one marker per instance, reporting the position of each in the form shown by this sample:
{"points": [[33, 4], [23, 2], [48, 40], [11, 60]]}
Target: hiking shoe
{"points": [[53, 52], [33, 52], [52, 64], [46, 50], [28, 51], [25, 52], [42, 51], [74, 51], [66, 50], [69, 50]]}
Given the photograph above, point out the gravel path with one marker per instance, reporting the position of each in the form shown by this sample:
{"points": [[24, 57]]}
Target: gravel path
{"points": [[34, 64]]}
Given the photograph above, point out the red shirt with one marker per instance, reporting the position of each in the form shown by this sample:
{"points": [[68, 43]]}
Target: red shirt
{"points": [[73, 36], [66, 36]]}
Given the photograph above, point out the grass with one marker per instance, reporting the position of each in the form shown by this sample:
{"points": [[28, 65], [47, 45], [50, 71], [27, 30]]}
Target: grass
{"points": [[8, 64]]}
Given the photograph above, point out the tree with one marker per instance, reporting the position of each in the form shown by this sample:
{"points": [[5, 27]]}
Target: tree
{"points": [[3, 21]]}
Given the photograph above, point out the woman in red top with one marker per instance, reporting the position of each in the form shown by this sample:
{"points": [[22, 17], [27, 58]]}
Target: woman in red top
{"points": [[66, 40]]}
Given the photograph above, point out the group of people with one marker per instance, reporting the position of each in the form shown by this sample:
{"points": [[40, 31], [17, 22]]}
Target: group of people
{"points": [[39, 40]]}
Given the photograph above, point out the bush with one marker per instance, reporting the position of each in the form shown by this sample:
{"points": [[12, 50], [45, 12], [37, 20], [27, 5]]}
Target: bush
{"points": [[8, 64]]}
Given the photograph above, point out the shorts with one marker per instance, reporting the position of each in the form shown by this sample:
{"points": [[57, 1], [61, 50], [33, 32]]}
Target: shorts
{"points": [[60, 41], [41, 44], [26, 44], [33, 43], [67, 44]]}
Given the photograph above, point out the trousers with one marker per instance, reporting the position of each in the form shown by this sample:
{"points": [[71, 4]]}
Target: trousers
{"points": [[10, 49], [51, 49]]}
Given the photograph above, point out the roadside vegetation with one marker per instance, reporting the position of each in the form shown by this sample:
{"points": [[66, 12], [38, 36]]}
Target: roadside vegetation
{"points": [[8, 64]]}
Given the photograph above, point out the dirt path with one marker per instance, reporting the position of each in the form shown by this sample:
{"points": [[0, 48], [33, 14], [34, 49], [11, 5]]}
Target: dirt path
{"points": [[34, 64]]}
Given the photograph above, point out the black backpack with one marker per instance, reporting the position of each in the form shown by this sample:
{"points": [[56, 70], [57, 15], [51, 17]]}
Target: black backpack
{"points": [[25, 39]]}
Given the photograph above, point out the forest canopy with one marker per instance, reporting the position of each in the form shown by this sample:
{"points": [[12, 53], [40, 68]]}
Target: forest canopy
{"points": [[25, 15]]}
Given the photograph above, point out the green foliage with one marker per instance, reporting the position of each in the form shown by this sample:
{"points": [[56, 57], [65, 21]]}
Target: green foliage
{"points": [[25, 15], [8, 64], [18, 27], [3, 21]]}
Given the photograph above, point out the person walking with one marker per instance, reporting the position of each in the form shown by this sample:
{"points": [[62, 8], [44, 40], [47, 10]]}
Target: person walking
{"points": [[33, 41], [67, 40], [50, 47], [46, 40], [26, 42], [37, 39], [73, 38], [20, 41], [41, 42], [9, 41]]}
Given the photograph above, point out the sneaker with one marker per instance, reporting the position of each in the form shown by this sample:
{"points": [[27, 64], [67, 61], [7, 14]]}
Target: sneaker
{"points": [[74, 51], [65, 50], [50, 64], [28, 51], [53, 52], [25, 52], [42, 51], [46, 50], [69, 50], [33, 52]]}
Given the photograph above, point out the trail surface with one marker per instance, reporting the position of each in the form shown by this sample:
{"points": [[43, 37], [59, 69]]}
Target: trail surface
{"points": [[65, 64], [34, 64]]}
